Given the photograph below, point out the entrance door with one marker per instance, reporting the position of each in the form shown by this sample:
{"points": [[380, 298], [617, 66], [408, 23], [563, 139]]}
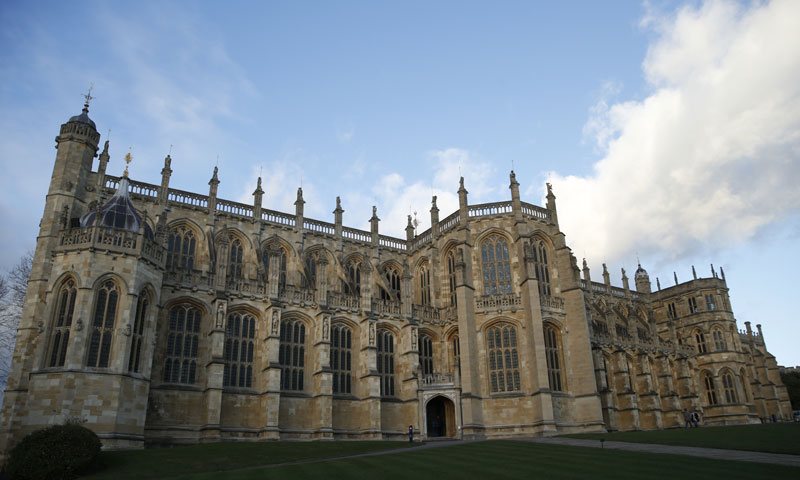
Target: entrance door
{"points": [[440, 418]]}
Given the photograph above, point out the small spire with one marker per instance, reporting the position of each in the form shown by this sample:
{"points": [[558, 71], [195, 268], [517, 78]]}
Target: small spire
{"points": [[658, 284], [128, 159], [676, 277], [694, 273], [105, 148], [713, 272]]}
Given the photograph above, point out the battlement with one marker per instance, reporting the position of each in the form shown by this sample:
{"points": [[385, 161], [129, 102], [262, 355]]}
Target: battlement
{"points": [[182, 199]]}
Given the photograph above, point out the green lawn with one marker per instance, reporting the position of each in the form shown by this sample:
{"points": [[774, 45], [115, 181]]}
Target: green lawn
{"points": [[773, 438], [489, 460], [172, 461], [516, 459]]}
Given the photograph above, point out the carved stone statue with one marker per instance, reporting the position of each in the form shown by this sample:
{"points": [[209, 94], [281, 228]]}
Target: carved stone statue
{"points": [[220, 315], [276, 322]]}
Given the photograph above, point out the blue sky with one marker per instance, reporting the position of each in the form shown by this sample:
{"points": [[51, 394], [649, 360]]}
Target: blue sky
{"points": [[670, 130]]}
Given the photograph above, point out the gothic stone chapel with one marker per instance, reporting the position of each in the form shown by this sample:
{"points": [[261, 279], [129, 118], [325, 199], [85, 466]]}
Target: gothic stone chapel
{"points": [[157, 315]]}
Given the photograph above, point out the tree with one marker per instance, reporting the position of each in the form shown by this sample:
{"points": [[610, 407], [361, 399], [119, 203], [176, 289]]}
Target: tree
{"points": [[13, 285], [792, 382]]}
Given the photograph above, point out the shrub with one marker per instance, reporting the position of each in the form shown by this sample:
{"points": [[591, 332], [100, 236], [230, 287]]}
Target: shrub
{"points": [[60, 451]]}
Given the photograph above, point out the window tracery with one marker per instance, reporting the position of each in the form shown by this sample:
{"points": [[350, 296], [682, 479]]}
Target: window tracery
{"points": [[105, 312], [553, 355], [496, 266], [180, 249], [180, 365], [426, 354], [503, 358], [62, 323], [137, 333], [386, 362], [341, 358], [239, 342], [292, 354]]}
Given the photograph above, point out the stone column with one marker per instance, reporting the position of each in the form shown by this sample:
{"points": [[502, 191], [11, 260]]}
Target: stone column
{"points": [[215, 371], [270, 377], [369, 381], [323, 379]]}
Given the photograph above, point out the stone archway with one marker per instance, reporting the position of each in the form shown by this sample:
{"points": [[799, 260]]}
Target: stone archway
{"points": [[440, 418]]}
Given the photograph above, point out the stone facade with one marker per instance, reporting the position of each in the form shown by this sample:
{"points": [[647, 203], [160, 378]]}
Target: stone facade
{"points": [[213, 320]]}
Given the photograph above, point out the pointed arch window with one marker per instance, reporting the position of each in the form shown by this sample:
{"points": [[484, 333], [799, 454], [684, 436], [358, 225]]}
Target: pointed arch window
{"points": [[711, 391], [503, 359], [719, 339], [310, 277], [553, 355], [496, 266], [353, 284], [277, 264], [180, 365], [631, 375], [424, 285], [386, 362], [451, 277], [105, 312], [180, 249], [137, 334], [392, 278], [236, 257], [292, 354], [240, 334], [62, 322], [341, 356], [426, 354], [455, 348], [729, 387], [700, 341], [541, 266]]}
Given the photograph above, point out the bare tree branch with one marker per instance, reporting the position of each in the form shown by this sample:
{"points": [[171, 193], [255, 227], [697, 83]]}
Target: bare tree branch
{"points": [[13, 286]]}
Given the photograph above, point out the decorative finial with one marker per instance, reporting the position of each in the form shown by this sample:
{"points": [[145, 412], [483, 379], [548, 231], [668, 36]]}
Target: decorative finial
{"points": [[433, 201], [170, 150], [549, 188], [338, 202], [128, 159], [88, 96]]}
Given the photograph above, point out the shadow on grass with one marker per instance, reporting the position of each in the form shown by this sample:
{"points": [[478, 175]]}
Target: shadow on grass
{"points": [[770, 438], [216, 457]]}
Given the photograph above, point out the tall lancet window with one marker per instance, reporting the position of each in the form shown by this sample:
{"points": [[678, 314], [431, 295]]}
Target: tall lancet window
{"points": [[392, 278], [62, 323], [105, 311], [180, 365], [496, 266], [180, 250], [542, 269], [292, 354], [236, 258], [386, 362], [279, 265], [426, 354], [341, 358], [137, 334], [353, 284], [451, 277], [553, 355], [424, 286], [240, 334]]}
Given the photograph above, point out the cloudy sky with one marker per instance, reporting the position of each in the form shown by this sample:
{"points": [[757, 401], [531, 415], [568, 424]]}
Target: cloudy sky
{"points": [[670, 131]]}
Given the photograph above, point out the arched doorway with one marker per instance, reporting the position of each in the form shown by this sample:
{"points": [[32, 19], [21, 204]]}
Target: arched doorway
{"points": [[440, 418]]}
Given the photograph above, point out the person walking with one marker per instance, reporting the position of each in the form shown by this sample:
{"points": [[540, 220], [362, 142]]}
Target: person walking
{"points": [[687, 418], [695, 418]]}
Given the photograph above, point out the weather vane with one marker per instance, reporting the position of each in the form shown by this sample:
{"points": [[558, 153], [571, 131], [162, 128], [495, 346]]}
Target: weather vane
{"points": [[88, 95], [128, 159]]}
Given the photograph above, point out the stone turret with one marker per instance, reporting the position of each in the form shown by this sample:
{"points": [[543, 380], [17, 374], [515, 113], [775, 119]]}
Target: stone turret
{"points": [[642, 280]]}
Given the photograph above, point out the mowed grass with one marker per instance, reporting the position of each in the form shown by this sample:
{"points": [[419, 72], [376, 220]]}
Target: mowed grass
{"points": [[516, 459], [214, 457], [772, 438]]}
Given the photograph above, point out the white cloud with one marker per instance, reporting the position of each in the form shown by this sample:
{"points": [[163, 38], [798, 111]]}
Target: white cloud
{"points": [[711, 155], [396, 198]]}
